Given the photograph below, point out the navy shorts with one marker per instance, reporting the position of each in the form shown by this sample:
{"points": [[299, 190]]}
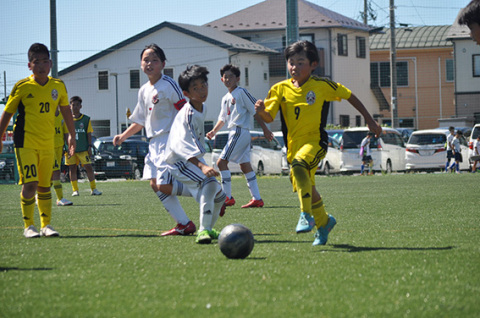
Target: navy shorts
{"points": [[449, 154], [458, 157]]}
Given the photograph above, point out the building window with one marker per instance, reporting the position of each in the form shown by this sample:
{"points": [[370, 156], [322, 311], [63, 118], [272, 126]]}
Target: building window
{"points": [[342, 45], [103, 80], [344, 120], [361, 48], [134, 79], [358, 121], [168, 72], [380, 73], [306, 37], [449, 73], [246, 76], [476, 65]]}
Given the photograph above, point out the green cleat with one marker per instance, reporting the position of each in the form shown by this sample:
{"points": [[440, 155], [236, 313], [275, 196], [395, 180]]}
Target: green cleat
{"points": [[203, 237], [214, 234]]}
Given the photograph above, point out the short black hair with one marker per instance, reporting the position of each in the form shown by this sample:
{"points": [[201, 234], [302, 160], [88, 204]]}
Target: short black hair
{"points": [[470, 14], [75, 99], [158, 51], [451, 128], [192, 73], [232, 68], [37, 48], [302, 46]]}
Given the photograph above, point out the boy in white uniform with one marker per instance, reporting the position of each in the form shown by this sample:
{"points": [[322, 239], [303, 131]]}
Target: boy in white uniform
{"points": [[457, 152], [186, 148], [366, 154], [158, 102], [449, 146], [237, 111]]}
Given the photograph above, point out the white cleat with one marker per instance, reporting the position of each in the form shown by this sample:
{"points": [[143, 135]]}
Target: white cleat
{"points": [[48, 231], [64, 202], [75, 194], [31, 232]]}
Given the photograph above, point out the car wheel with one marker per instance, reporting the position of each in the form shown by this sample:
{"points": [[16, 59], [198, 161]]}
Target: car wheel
{"points": [[260, 169], [137, 174], [389, 167], [327, 169]]}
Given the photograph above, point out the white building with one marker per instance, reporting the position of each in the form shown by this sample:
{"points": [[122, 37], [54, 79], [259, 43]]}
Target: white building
{"points": [[108, 82]]}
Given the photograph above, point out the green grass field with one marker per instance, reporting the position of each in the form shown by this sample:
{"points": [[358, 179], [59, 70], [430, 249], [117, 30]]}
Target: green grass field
{"points": [[404, 246]]}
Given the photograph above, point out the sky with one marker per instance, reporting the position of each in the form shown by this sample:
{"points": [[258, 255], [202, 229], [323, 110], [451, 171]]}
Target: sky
{"points": [[87, 27]]}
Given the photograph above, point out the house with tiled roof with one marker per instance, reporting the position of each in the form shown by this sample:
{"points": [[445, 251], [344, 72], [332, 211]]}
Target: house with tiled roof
{"points": [[343, 46], [425, 75], [467, 75], [108, 81]]}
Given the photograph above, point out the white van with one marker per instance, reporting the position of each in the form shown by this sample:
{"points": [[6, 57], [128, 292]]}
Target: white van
{"points": [[388, 151]]}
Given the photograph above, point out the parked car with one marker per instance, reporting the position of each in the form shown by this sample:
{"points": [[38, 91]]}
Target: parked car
{"points": [[426, 151], [405, 132], [285, 166], [466, 131], [336, 134], [472, 138], [265, 156], [7, 161], [123, 161], [388, 151], [331, 163]]}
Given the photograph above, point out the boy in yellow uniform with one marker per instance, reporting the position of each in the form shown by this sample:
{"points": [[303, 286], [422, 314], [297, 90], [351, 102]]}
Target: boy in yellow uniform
{"points": [[303, 101], [36, 98]]}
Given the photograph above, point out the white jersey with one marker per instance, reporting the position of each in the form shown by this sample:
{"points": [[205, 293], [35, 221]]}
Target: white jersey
{"points": [[449, 141], [366, 146], [476, 147], [238, 109], [187, 135], [456, 144], [157, 106]]}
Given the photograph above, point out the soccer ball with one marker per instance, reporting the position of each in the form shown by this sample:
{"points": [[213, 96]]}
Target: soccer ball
{"points": [[236, 241]]}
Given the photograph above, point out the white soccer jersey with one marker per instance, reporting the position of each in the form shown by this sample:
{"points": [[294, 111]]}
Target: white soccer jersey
{"points": [[157, 106], [187, 135], [449, 140], [366, 146], [476, 147], [456, 144], [238, 108]]}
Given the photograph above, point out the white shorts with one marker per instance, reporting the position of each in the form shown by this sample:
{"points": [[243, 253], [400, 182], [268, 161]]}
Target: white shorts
{"points": [[238, 146], [155, 167], [191, 176]]}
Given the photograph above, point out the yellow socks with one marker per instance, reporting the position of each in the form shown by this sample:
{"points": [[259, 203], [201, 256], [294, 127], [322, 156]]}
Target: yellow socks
{"points": [[57, 186], [28, 207], [93, 184], [44, 201], [74, 185], [319, 213], [303, 185]]}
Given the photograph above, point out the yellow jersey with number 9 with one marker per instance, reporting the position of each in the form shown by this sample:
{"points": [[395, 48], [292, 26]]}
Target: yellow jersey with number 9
{"points": [[36, 104], [302, 107]]}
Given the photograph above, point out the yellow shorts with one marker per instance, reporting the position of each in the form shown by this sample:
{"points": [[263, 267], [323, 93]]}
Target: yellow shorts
{"points": [[58, 158], [310, 153], [78, 157], [35, 165]]}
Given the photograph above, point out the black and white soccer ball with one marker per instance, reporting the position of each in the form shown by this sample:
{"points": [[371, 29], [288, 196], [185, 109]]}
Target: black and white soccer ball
{"points": [[236, 241]]}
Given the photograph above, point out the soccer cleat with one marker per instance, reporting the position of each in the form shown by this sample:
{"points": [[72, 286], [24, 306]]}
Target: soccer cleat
{"points": [[75, 194], [214, 234], [96, 192], [306, 222], [321, 236], [64, 202], [48, 231], [253, 204], [229, 201], [31, 232], [222, 209], [203, 237], [181, 229]]}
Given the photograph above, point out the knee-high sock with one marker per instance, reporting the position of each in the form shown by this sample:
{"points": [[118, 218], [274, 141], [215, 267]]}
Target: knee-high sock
{"points": [[303, 185], [180, 190], [57, 186], [319, 213], [208, 191], [217, 205], [253, 185], [44, 201], [226, 182], [173, 207], [93, 184], [74, 185], [28, 208]]}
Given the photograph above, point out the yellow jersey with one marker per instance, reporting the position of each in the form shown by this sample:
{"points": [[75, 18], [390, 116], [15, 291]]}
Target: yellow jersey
{"points": [[36, 104], [59, 132], [304, 109]]}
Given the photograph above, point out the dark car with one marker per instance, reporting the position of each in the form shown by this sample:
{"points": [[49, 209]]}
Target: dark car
{"points": [[122, 161], [7, 161]]}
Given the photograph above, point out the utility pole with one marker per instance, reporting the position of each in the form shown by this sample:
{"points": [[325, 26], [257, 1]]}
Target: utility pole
{"points": [[292, 24], [393, 66], [365, 11], [53, 37]]}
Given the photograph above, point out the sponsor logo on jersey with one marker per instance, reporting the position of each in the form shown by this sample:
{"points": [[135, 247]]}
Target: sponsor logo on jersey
{"points": [[54, 94], [155, 99], [311, 98]]}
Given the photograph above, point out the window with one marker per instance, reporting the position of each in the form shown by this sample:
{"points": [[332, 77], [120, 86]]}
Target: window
{"points": [[103, 80], [358, 121], [306, 37], [342, 44], [476, 65], [344, 120], [361, 48], [134, 79], [168, 72], [449, 74], [246, 76], [380, 73]]}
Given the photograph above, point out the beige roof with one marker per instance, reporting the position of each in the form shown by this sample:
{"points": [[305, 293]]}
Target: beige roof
{"points": [[271, 15], [458, 31], [412, 38]]}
